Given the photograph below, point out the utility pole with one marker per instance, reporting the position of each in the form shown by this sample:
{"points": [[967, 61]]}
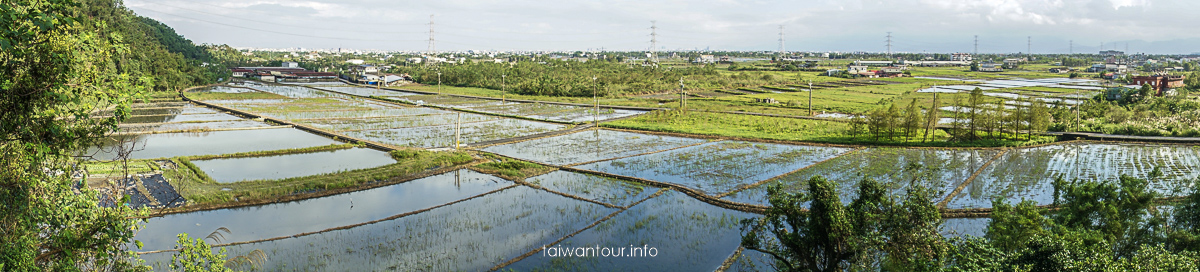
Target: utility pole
{"points": [[781, 40], [439, 83], [596, 102], [653, 41], [976, 45], [457, 130], [810, 91], [1028, 45], [889, 44], [682, 95], [503, 89], [432, 49]]}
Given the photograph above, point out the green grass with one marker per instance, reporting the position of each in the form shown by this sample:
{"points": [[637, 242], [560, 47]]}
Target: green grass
{"points": [[194, 185], [313, 149], [785, 129], [119, 167], [512, 169]]}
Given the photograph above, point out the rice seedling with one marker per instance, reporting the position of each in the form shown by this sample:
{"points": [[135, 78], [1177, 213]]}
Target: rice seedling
{"points": [[588, 146], [718, 167], [1029, 173], [315, 214], [687, 235], [895, 168], [472, 235]]}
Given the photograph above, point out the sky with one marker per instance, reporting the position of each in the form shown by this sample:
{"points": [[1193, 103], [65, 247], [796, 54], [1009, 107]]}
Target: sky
{"points": [[943, 26]]}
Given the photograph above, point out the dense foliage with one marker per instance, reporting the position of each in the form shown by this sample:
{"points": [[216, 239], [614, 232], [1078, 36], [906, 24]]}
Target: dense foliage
{"points": [[1136, 112], [571, 78], [62, 60], [1095, 226]]}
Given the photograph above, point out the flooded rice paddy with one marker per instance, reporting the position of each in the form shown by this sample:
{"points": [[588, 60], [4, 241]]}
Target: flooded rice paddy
{"points": [[466, 220], [292, 165], [149, 146]]}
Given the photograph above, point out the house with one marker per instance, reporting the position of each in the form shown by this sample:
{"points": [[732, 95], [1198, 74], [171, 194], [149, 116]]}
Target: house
{"points": [[364, 69], [706, 59], [355, 61], [265, 76], [725, 59], [1160, 82], [832, 72], [891, 71], [856, 69], [413, 60], [290, 64]]}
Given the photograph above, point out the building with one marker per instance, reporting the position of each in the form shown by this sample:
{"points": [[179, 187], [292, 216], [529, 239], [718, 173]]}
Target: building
{"points": [[990, 67], [961, 57], [355, 61], [364, 69], [290, 64], [937, 63], [891, 71], [239, 72], [1161, 82], [875, 63], [706, 59], [1107, 53], [856, 69], [1060, 70]]}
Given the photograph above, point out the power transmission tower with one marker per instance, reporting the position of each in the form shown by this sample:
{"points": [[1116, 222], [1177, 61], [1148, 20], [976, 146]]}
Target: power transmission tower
{"points": [[781, 39], [432, 49], [1029, 45], [889, 44], [976, 44], [653, 41]]}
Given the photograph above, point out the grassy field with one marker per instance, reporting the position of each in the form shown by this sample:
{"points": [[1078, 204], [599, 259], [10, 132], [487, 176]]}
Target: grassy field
{"points": [[784, 129]]}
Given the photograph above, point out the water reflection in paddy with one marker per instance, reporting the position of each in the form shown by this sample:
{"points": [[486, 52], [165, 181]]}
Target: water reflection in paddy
{"points": [[266, 221], [292, 165]]}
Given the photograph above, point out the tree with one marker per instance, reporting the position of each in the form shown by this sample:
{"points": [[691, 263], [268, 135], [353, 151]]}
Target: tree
{"points": [[819, 239], [893, 121], [932, 117], [912, 120], [54, 75], [197, 255], [975, 101], [957, 117]]}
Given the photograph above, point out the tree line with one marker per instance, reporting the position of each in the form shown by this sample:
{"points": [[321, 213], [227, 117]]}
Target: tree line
{"points": [[976, 118]]}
